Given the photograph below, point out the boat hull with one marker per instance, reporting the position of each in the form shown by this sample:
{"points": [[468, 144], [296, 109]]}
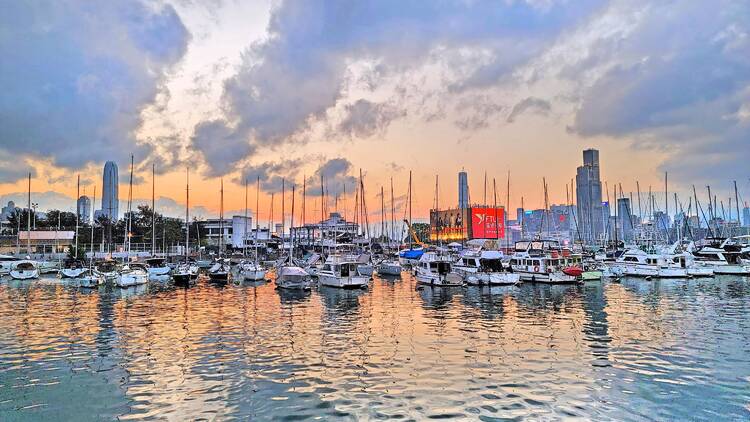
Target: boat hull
{"points": [[355, 282], [131, 279], [71, 272], [550, 278], [389, 269], [24, 274], [253, 275]]}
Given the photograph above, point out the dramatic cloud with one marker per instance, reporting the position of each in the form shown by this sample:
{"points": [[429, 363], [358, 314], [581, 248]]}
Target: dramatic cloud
{"points": [[271, 175], [13, 168], [76, 76], [530, 105], [364, 118], [335, 176], [679, 82], [302, 69]]}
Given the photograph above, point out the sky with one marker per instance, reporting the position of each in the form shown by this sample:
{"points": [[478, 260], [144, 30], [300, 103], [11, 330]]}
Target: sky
{"points": [[290, 90]]}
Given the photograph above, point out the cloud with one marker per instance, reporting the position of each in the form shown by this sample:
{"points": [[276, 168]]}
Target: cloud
{"points": [[76, 76], [529, 104], [476, 111], [678, 83], [47, 200], [222, 146], [335, 176], [291, 79], [270, 174], [364, 118], [14, 168]]}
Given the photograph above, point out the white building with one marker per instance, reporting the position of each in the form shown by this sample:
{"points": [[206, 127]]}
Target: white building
{"points": [[84, 209], [234, 231]]}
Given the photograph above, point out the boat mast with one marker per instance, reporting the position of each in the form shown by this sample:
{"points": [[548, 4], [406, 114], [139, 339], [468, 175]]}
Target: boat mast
{"points": [[410, 221], [283, 211], [28, 221], [153, 208], [92, 226], [382, 213], [393, 217], [130, 205], [257, 218], [291, 227], [244, 236], [221, 217], [505, 214], [78, 211], [737, 204], [187, 215], [494, 204]]}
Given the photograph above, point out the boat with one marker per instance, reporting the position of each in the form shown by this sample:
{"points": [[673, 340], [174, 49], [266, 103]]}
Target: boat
{"points": [[343, 273], [436, 270], [540, 261], [72, 269], [24, 270], [107, 270], [6, 263], [723, 259], [293, 278], [187, 271], [132, 274], [252, 270], [484, 267], [220, 270], [389, 267], [48, 267], [157, 267], [89, 279]]}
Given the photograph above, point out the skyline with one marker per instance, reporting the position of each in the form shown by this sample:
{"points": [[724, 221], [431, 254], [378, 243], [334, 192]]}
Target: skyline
{"points": [[285, 90]]}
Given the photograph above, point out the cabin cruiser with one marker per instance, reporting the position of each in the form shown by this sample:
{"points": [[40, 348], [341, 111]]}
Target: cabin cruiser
{"points": [[437, 270], [220, 270], [185, 272], [252, 271], [389, 267], [25, 270], [410, 257], [340, 272], [72, 269], [89, 279], [725, 258], [484, 267], [638, 263], [132, 274], [6, 263], [293, 278], [157, 267], [541, 261], [48, 267], [107, 269]]}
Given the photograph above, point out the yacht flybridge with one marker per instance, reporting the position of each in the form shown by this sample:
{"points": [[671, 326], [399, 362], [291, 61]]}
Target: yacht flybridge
{"points": [[541, 261], [343, 273]]}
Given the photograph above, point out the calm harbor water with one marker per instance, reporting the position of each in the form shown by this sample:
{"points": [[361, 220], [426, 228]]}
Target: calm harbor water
{"points": [[638, 350]]}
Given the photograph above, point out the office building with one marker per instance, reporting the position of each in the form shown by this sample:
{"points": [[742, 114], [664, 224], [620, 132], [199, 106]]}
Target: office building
{"points": [[83, 207], [589, 197], [110, 192], [625, 218], [745, 216], [463, 190]]}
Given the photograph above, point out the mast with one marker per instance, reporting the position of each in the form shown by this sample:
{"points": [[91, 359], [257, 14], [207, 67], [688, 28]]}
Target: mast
{"points": [[92, 225], [505, 214], [244, 237], [410, 222], [737, 204], [28, 221], [78, 211], [393, 215], [257, 217], [322, 212], [291, 226], [130, 205], [283, 209], [153, 208], [221, 217], [494, 204], [187, 215], [382, 213]]}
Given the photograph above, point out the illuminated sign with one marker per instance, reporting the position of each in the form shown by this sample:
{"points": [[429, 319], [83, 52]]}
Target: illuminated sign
{"points": [[488, 223]]}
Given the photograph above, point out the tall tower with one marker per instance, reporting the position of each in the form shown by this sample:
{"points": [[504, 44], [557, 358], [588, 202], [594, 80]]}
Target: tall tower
{"points": [[110, 194], [84, 209], [463, 190], [589, 197]]}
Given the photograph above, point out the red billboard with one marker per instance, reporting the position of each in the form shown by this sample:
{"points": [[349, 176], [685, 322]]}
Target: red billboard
{"points": [[488, 223]]}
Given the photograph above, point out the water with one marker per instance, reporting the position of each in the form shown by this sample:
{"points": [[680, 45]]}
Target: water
{"points": [[639, 350]]}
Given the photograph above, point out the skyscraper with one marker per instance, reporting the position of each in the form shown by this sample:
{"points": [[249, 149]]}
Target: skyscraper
{"points": [[625, 218], [589, 197], [110, 196], [83, 206], [746, 216], [463, 190]]}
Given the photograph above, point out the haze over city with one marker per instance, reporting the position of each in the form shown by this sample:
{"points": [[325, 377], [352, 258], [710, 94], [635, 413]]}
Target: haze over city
{"points": [[295, 89]]}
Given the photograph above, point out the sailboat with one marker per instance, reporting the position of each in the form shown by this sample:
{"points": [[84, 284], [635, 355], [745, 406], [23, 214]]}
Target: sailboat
{"points": [[220, 269], [288, 274], [26, 269], [388, 265], [412, 255], [131, 274], [186, 271], [252, 270]]}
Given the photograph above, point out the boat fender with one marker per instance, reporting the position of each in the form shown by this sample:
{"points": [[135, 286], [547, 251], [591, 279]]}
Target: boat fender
{"points": [[536, 268]]}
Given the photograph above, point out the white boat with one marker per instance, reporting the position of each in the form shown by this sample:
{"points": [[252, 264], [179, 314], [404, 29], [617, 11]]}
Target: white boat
{"points": [[436, 270], [24, 270], [184, 273], [72, 269], [107, 270], [131, 275], [89, 279], [292, 277], [389, 267], [541, 261], [220, 270], [6, 263], [639, 263], [252, 271], [484, 267], [157, 267], [48, 267], [365, 269], [722, 262], [337, 272]]}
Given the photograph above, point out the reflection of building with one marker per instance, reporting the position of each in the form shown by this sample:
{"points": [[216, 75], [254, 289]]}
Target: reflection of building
{"points": [[468, 223], [83, 205], [463, 190], [110, 192], [589, 197]]}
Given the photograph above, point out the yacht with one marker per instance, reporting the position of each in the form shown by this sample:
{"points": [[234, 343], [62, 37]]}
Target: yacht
{"points": [[437, 270], [157, 267], [25, 270], [6, 263], [185, 272], [410, 257], [73, 269], [540, 261], [389, 267], [344, 273], [293, 278], [639, 263], [220, 270], [107, 270], [252, 271], [131, 275], [484, 267], [723, 259], [89, 279]]}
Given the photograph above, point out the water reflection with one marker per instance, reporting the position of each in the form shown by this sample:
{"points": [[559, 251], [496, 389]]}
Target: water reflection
{"points": [[629, 351]]}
